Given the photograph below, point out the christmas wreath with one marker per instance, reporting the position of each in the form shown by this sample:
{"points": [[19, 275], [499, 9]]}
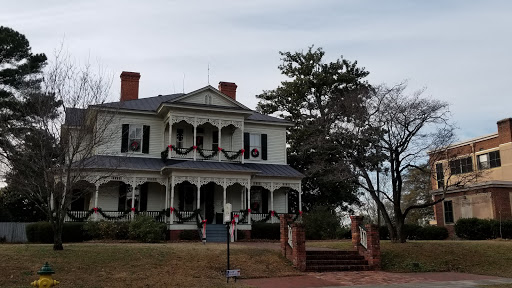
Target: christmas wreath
{"points": [[134, 145], [255, 153]]}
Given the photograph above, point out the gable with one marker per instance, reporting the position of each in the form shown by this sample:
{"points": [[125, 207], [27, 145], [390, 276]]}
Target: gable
{"points": [[208, 98]]}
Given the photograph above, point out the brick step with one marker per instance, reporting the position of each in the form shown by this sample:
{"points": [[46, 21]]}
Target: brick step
{"points": [[332, 252], [335, 262], [334, 257], [322, 268]]}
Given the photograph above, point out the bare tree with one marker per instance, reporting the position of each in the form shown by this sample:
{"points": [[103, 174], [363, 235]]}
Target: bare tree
{"points": [[69, 129], [411, 126]]}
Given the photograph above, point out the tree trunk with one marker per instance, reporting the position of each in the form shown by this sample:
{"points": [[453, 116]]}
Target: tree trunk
{"points": [[401, 237], [57, 235]]}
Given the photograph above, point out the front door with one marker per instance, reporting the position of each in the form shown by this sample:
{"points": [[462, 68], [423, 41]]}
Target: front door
{"points": [[207, 195]]}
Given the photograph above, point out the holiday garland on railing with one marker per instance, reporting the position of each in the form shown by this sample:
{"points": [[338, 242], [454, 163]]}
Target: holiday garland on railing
{"points": [[269, 215], [185, 219], [165, 154], [80, 219], [97, 210]]}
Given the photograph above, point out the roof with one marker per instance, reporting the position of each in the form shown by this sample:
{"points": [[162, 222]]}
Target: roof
{"points": [[141, 104], [260, 117], [155, 164]]}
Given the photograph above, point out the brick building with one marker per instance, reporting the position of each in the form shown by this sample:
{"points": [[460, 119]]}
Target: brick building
{"points": [[477, 175]]}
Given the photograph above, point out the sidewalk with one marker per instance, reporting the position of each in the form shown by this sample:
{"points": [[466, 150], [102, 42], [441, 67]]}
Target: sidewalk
{"points": [[378, 279]]}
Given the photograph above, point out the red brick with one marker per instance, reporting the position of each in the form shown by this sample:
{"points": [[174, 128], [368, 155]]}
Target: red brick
{"points": [[129, 85]]}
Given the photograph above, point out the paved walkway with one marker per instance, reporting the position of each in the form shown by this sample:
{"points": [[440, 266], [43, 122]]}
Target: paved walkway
{"points": [[378, 279]]}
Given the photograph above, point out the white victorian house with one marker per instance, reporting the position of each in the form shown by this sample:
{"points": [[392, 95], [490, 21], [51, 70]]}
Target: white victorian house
{"points": [[181, 157]]}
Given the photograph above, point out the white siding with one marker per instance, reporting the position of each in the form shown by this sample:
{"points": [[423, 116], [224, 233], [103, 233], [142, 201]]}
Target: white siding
{"points": [[276, 142], [280, 201], [217, 99], [156, 141], [156, 197], [108, 196]]}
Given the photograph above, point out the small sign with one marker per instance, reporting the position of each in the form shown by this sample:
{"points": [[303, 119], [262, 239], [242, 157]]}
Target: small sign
{"points": [[233, 273], [227, 213]]}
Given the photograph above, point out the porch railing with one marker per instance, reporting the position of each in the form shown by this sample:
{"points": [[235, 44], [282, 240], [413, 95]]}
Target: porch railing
{"points": [[116, 216], [211, 155], [181, 153], [241, 218], [363, 236]]}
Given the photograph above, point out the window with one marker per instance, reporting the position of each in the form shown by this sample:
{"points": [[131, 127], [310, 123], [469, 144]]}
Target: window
{"points": [[439, 175], [215, 140], [135, 138], [199, 137], [255, 149], [489, 160], [460, 166], [208, 99], [448, 212], [179, 138]]}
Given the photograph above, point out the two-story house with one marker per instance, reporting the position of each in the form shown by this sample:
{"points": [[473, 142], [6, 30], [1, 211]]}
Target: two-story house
{"points": [[175, 156], [483, 166]]}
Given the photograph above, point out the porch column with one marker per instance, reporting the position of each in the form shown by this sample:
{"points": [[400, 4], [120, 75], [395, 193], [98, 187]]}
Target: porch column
{"points": [[300, 197], [220, 137], [224, 192], [96, 216], [133, 200], [195, 144], [271, 200], [242, 198], [243, 145], [170, 135], [249, 201], [166, 199], [198, 186], [172, 198]]}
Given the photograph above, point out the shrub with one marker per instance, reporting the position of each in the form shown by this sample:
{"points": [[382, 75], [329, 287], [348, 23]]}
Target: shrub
{"points": [[189, 235], [321, 223], [146, 229], [432, 233], [266, 231], [108, 230], [240, 235], [42, 232], [474, 229]]}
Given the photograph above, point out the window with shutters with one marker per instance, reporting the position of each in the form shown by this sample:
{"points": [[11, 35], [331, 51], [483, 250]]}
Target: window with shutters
{"points": [[439, 175], [135, 138]]}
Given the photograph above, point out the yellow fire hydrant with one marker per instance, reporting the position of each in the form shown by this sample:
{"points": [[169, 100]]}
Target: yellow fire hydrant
{"points": [[45, 277]]}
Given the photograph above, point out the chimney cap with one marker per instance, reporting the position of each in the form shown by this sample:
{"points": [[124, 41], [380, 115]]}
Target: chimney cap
{"points": [[128, 74], [505, 120]]}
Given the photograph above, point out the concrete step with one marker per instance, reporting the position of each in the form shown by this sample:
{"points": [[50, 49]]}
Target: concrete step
{"points": [[334, 257], [335, 262], [332, 252], [323, 268]]}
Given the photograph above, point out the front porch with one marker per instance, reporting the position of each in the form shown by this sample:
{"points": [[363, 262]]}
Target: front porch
{"points": [[183, 202]]}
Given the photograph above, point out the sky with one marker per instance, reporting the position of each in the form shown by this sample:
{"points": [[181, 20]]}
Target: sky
{"points": [[460, 51]]}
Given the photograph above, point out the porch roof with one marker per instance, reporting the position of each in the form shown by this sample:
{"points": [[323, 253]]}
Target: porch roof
{"points": [[155, 164]]}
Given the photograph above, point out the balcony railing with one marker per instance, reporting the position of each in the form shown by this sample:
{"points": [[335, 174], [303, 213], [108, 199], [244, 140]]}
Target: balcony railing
{"points": [[172, 152], [113, 216]]}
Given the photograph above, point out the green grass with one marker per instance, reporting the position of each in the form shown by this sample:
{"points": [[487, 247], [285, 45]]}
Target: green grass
{"points": [[479, 257], [146, 265]]}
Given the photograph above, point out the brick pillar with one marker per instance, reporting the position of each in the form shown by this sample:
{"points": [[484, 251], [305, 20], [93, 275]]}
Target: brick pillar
{"points": [[373, 246], [284, 220], [299, 246], [354, 227]]}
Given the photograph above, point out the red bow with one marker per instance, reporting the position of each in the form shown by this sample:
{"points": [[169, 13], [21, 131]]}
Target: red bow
{"points": [[204, 221], [300, 212], [236, 215], [172, 209], [195, 147], [220, 149], [170, 147], [272, 213], [242, 151], [133, 208], [249, 210], [95, 209]]}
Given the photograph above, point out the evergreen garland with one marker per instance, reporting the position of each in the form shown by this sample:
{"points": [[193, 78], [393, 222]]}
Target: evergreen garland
{"points": [[165, 154], [79, 219], [269, 215], [234, 156], [108, 217], [201, 152], [195, 213]]}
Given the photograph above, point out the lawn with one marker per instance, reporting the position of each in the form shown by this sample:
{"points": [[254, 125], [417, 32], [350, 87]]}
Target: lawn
{"points": [[492, 257], [138, 265]]}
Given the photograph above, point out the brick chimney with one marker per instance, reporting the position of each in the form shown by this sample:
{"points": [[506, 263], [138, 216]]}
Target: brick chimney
{"points": [[505, 130], [129, 85], [228, 89]]}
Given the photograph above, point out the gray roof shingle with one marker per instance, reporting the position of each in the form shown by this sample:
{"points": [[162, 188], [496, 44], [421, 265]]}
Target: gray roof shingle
{"points": [[154, 164], [74, 116], [142, 104]]}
